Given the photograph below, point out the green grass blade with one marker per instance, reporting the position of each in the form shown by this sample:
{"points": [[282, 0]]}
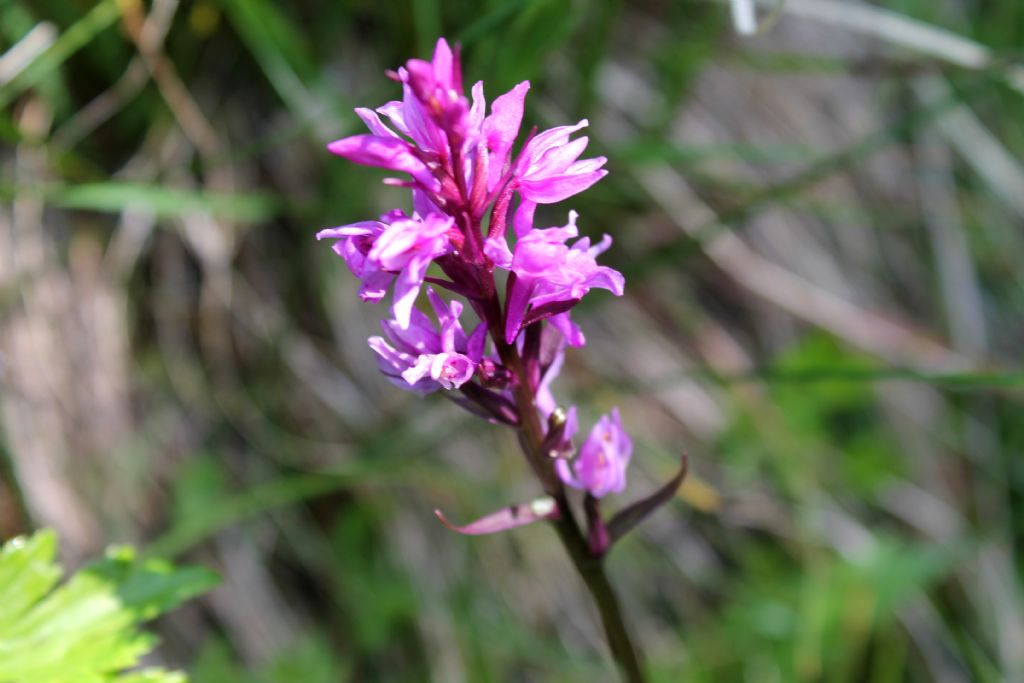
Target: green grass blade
{"points": [[71, 41], [165, 202]]}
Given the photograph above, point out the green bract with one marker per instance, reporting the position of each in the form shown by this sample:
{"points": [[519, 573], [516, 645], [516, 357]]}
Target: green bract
{"points": [[85, 630]]}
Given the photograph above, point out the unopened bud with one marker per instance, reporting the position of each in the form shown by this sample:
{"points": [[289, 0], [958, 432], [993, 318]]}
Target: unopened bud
{"points": [[557, 417]]}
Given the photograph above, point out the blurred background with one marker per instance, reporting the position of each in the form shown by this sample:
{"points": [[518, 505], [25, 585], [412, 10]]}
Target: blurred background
{"points": [[822, 229]]}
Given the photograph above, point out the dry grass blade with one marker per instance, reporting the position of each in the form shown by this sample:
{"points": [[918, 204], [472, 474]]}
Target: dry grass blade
{"points": [[990, 159], [944, 220], [744, 16], [26, 51], [883, 336], [905, 32]]}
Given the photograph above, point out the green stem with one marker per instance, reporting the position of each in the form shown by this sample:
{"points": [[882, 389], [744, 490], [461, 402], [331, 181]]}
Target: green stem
{"points": [[591, 570], [589, 567]]}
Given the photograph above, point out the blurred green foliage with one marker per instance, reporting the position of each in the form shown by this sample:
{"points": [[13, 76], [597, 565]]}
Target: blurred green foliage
{"points": [[311, 661]]}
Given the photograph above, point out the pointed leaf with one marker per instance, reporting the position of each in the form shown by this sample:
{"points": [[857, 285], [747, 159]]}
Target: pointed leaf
{"points": [[506, 518], [545, 311], [491, 404], [627, 518]]}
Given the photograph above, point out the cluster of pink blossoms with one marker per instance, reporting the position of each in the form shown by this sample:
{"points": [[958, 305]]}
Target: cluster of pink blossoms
{"points": [[464, 177]]}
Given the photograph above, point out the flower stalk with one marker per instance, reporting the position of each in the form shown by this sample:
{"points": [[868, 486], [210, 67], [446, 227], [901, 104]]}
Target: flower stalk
{"points": [[589, 566]]}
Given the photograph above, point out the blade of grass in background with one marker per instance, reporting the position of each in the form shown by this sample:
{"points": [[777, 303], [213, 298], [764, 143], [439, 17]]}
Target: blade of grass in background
{"points": [[279, 48], [99, 18], [165, 202]]}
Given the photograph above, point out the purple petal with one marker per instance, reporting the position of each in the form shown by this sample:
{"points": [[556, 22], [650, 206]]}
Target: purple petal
{"points": [[394, 110], [422, 204], [442, 63], [558, 188], [407, 287], [566, 232], [515, 308], [354, 259], [392, 363], [550, 138], [373, 122], [475, 343], [557, 159], [352, 230], [384, 152], [566, 474], [537, 257], [421, 78], [586, 165], [573, 335], [523, 221], [496, 249], [375, 286], [601, 247], [502, 126], [447, 313], [451, 331], [601, 465], [417, 339], [452, 370], [442, 60], [506, 518], [419, 370], [409, 239], [397, 359], [545, 399], [608, 278], [477, 110], [424, 132], [396, 246]]}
